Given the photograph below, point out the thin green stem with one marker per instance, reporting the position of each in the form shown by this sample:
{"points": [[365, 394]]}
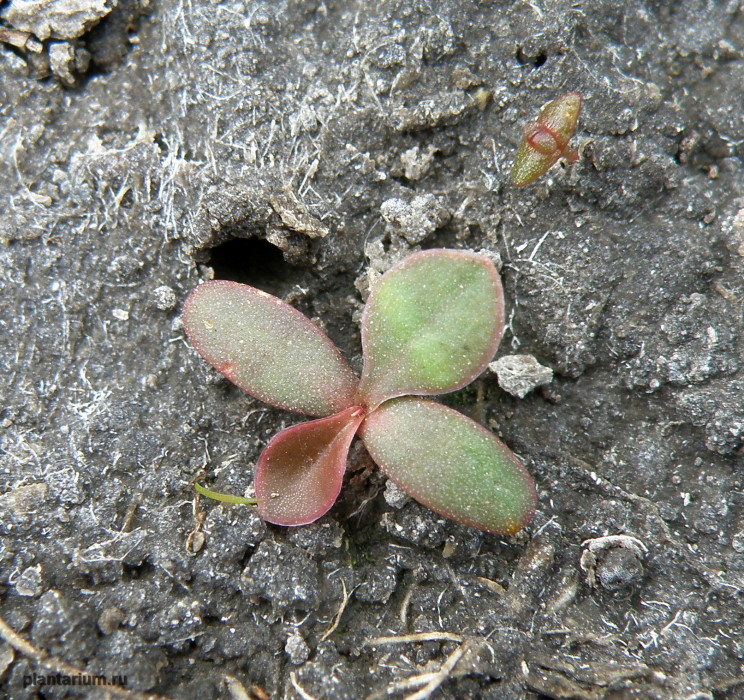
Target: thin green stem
{"points": [[224, 497]]}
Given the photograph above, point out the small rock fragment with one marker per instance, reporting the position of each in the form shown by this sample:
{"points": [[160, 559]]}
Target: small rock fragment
{"points": [[415, 163], [416, 219], [18, 506], [67, 61], [58, 19], [737, 542], [29, 583], [380, 261], [6, 657], [394, 496], [520, 374], [164, 298], [739, 226], [14, 38], [464, 78], [494, 256], [297, 648], [724, 432]]}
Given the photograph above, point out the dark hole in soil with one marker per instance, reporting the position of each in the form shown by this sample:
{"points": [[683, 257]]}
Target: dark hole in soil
{"points": [[133, 572], [161, 143], [253, 261], [536, 61]]}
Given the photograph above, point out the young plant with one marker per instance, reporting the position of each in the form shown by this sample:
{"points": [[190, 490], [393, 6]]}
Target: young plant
{"points": [[545, 141], [430, 326]]}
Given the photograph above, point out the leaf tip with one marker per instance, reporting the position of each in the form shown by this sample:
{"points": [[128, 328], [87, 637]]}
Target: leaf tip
{"points": [[431, 325], [546, 139]]}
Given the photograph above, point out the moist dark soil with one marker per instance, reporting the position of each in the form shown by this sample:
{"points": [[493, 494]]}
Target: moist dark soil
{"points": [[150, 146]]}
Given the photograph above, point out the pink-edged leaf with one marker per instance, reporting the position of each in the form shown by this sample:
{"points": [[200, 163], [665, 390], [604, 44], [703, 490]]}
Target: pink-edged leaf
{"points": [[451, 464], [545, 141], [300, 472], [268, 348], [431, 325], [560, 117]]}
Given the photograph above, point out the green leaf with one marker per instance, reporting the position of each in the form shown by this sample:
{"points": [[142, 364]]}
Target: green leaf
{"points": [[451, 464], [431, 325], [299, 474], [529, 164], [560, 117], [268, 348]]}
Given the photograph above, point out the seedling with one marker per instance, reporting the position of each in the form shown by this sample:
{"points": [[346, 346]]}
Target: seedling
{"points": [[545, 141], [430, 326]]}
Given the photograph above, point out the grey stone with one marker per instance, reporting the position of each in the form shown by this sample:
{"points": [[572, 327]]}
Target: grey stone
{"points": [[297, 649], [59, 19], [520, 374], [416, 219]]}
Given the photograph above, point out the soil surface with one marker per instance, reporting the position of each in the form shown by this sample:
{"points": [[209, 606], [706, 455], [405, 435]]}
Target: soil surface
{"points": [[304, 147]]}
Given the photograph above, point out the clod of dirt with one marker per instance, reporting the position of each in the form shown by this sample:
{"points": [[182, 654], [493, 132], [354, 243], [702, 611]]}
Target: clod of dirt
{"points": [[416, 219], [67, 60], [29, 583], [444, 110], [63, 627], [56, 19], [416, 164], [297, 649], [614, 561], [520, 374], [164, 298], [283, 575], [296, 216], [378, 585]]}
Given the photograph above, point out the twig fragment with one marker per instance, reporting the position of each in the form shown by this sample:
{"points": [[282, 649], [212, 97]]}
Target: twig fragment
{"points": [[339, 613], [300, 690], [442, 675], [418, 637]]}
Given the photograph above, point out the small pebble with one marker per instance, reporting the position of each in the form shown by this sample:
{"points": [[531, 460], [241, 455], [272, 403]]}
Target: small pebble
{"points": [[29, 583], [164, 298], [110, 619], [297, 648], [394, 496], [520, 374]]}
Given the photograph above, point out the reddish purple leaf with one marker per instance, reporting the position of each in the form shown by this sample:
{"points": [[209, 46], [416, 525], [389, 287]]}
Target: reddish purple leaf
{"points": [[299, 474], [268, 348]]}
